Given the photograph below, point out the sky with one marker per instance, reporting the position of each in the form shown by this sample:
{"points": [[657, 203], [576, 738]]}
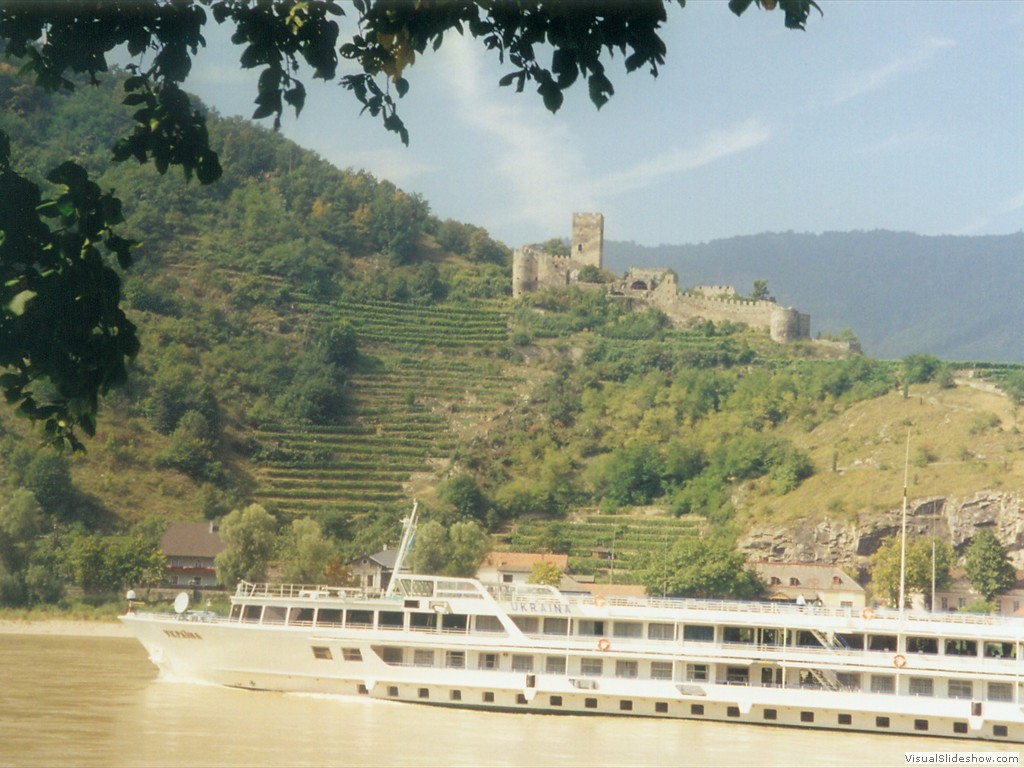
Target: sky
{"points": [[884, 114]]}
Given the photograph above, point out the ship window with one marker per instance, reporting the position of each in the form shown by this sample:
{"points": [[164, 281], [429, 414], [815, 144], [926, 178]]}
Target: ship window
{"points": [[1000, 692], [322, 652], [845, 719], [883, 684], [773, 636], [390, 619], [361, 619], [697, 673], [771, 714], [920, 725], [853, 642], [739, 675], [527, 624], [556, 701], [488, 661], [696, 709], [362, 689], [590, 627], [351, 654], [422, 620], [961, 689], [960, 727], [625, 705], [424, 693], [807, 640], [806, 717], [922, 645], [454, 622], [732, 711], [661, 631], [961, 648], [699, 633], [661, 707], [738, 634], [328, 617], [506, 578], [522, 663], [488, 697], [849, 680], [236, 612], [922, 686], [423, 657], [455, 695], [488, 624], [556, 626], [998, 730], [274, 614], [392, 690], [882, 643], [624, 668], [627, 629], [391, 655], [1001, 650], [881, 721], [555, 665], [590, 666], [455, 659], [590, 703], [301, 616], [252, 612], [661, 670]]}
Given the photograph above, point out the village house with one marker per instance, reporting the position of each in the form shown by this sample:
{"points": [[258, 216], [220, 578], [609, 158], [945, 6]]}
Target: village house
{"points": [[190, 549], [516, 567], [827, 585], [374, 571], [961, 594]]}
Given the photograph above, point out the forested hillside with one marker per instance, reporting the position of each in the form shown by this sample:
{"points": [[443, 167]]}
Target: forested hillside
{"points": [[314, 341]]}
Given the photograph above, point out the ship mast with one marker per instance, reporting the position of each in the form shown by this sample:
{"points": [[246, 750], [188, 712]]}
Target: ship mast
{"points": [[408, 534], [903, 532]]}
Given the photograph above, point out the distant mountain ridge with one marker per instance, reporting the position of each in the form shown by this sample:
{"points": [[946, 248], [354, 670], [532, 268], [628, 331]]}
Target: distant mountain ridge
{"points": [[901, 293]]}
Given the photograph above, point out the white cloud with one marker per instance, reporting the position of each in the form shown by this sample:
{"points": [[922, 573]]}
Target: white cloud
{"points": [[873, 80], [1002, 208]]}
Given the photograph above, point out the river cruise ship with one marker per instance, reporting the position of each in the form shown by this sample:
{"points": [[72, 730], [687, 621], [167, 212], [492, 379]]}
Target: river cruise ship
{"points": [[531, 648]]}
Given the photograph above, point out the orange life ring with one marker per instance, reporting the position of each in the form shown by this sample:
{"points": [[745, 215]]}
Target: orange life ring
{"points": [[867, 614], [599, 601], [603, 644], [899, 661]]}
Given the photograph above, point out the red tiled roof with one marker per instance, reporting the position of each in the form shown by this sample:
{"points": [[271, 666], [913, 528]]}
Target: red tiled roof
{"points": [[191, 540]]}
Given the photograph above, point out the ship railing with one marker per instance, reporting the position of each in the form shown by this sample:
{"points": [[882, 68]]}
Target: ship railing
{"points": [[251, 589]]}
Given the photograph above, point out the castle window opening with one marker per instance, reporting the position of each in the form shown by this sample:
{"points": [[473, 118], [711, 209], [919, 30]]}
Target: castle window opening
{"points": [[639, 285]]}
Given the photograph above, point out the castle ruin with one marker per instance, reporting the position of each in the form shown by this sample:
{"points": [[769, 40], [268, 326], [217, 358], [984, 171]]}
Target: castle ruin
{"points": [[534, 270]]}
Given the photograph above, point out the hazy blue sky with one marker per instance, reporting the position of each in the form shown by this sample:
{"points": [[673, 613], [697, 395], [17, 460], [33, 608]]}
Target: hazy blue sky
{"points": [[901, 114]]}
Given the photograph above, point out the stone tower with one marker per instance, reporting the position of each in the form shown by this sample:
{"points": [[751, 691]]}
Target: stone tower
{"points": [[588, 239]]}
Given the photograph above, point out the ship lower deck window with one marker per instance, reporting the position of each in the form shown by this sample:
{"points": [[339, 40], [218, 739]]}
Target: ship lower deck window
{"points": [[881, 721], [328, 617], [252, 612], [488, 661], [738, 634], [423, 657], [391, 655], [556, 701], [360, 619], [959, 727], [737, 675], [527, 624], [920, 725], [455, 659], [883, 684], [362, 689], [422, 621], [626, 705], [274, 614], [771, 714], [699, 633], [590, 666], [555, 626], [661, 670], [627, 629], [696, 709], [590, 703], [454, 622], [392, 691], [697, 673], [424, 693], [882, 643], [590, 627], [999, 730], [521, 698], [661, 707], [845, 719], [961, 689], [488, 697], [522, 663], [554, 665], [303, 616], [661, 631], [806, 717], [928, 645], [1000, 692], [455, 695], [322, 652], [732, 711], [488, 624], [1001, 650], [922, 686], [958, 647], [351, 654], [390, 620]]}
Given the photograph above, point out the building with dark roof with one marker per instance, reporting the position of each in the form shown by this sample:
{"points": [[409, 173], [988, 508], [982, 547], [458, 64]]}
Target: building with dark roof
{"points": [[190, 549]]}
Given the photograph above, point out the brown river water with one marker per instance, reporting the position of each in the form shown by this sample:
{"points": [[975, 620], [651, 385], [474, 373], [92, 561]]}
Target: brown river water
{"points": [[95, 701]]}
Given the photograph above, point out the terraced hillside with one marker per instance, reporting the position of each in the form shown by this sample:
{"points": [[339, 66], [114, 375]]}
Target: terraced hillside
{"points": [[427, 374], [583, 536]]}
